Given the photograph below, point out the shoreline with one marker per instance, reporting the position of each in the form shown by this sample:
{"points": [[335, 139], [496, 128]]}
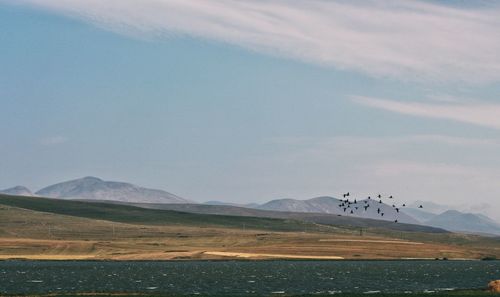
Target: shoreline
{"points": [[239, 259]]}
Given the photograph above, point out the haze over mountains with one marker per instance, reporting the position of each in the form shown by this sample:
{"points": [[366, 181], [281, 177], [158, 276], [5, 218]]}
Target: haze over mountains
{"points": [[433, 214]]}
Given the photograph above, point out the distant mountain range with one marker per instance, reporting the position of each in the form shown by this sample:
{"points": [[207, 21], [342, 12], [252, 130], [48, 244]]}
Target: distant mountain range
{"points": [[456, 221], [332, 205], [93, 188], [432, 214], [320, 208]]}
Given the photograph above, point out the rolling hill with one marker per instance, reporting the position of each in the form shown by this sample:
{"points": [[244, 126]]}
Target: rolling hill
{"points": [[49, 229], [318, 218], [29, 234], [136, 215]]}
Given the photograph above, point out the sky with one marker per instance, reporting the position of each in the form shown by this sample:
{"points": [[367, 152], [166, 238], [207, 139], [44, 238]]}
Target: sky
{"points": [[251, 100]]}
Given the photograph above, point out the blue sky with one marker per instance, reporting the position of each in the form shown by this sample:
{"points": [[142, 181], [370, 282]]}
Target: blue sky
{"points": [[240, 101]]}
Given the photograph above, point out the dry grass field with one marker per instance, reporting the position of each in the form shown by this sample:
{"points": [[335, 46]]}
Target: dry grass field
{"points": [[28, 234]]}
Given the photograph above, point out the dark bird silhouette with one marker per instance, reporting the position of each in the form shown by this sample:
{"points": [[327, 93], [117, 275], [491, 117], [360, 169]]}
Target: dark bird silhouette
{"points": [[395, 221], [380, 201], [382, 214], [379, 196], [346, 194], [345, 209], [369, 198], [420, 206], [366, 207], [404, 205], [378, 210], [352, 212], [390, 197], [397, 209], [356, 208], [355, 202], [393, 205]]}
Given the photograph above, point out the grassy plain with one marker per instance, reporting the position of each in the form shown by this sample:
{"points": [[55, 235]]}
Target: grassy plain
{"points": [[36, 228]]}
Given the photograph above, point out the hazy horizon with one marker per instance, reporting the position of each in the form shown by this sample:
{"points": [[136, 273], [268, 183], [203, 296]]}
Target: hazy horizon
{"points": [[249, 101]]}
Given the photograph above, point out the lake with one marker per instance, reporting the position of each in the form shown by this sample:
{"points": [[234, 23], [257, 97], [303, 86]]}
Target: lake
{"points": [[242, 277]]}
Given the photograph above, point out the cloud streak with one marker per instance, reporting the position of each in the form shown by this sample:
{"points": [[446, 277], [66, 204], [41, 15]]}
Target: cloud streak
{"points": [[482, 114], [407, 40], [53, 140]]}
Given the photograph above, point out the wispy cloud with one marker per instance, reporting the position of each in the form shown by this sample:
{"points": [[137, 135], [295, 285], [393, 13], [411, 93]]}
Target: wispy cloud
{"points": [[408, 40], [53, 140], [483, 114]]}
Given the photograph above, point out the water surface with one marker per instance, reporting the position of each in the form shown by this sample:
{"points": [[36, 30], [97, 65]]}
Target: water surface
{"points": [[240, 277]]}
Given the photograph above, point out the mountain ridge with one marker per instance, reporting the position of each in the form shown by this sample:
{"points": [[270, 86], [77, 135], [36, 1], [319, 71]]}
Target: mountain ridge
{"points": [[18, 191], [93, 188]]}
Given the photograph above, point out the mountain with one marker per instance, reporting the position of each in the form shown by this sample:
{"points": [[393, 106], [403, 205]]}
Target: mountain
{"points": [[418, 214], [93, 188], [293, 205], [18, 191], [431, 207], [454, 220], [330, 205]]}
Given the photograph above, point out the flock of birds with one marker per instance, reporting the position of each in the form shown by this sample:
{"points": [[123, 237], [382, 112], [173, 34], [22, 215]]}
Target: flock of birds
{"points": [[353, 207]]}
